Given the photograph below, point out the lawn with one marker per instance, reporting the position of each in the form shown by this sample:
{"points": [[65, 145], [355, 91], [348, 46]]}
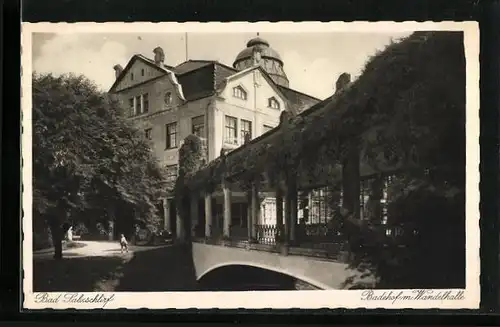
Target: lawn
{"points": [[158, 269]]}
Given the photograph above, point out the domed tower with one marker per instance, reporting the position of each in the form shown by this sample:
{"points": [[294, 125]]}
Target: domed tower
{"points": [[258, 52]]}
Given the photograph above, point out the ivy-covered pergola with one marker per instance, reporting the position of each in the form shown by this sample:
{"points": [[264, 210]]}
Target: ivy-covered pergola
{"points": [[377, 125]]}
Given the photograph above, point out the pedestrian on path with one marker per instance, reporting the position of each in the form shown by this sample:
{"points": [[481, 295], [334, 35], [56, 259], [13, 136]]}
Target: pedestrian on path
{"points": [[123, 243]]}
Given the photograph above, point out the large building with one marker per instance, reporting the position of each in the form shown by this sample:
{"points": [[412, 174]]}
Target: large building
{"points": [[225, 106]]}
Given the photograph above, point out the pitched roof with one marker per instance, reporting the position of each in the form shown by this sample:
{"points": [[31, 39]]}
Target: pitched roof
{"points": [[190, 65], [264, 74], [299, 101], [201, 78]]}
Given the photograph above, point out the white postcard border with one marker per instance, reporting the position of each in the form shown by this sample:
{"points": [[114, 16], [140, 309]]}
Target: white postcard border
{"points": [[279, 299]]}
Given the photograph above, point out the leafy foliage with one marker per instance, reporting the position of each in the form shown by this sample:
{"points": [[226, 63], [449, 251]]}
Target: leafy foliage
{"points": [[87, 156], [190, 161], [410, 101], [405, 113]]}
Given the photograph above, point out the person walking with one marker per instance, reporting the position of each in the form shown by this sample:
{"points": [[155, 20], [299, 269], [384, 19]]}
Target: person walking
{"points": [[123, 243]]}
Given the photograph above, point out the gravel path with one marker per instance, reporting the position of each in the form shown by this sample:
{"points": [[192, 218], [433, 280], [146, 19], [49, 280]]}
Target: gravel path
{"points": [[96, 249]]}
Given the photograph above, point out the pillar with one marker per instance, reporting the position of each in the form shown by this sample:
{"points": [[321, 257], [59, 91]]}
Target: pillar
{"points": [[227, 209], [208, 214], [241, 215], [194, 214], [179, 225], [307, 209], [286, 228], [279, 211], [166, 215], [293, 214], [255, 210], [287, 220], [351, 182], [291, 209], [249, 215]]}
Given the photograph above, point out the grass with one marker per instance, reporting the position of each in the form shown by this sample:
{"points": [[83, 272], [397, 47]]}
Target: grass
{"points": [[158, 269]]}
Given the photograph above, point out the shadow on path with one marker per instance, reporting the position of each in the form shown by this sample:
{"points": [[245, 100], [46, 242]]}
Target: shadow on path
{"points": [[160, 269]]}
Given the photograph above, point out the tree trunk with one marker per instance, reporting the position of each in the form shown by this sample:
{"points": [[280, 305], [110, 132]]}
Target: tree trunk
{"points": [[56, 230], [111, 223]]}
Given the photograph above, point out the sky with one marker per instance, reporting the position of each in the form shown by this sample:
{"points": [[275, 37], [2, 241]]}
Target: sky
{"points": [[312, 61]]}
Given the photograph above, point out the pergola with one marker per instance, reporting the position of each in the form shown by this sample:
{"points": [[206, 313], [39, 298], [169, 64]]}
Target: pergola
{"points": [[328, 144]]}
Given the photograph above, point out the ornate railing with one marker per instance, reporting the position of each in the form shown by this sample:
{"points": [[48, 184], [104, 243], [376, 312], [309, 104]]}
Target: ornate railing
{"points": [[312, 240], [316, 233], [266, 234]]}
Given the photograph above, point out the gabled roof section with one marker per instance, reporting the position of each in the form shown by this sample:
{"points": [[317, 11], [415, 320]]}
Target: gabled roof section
{"points": [[248, 70], [190, 65], [221, 73], [294, 94], [201, 78], [196, 79], [164, 69], [298, 101], [129, 65], [198, 83]]}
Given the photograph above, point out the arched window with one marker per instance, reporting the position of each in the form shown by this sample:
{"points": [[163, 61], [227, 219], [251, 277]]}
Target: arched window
{"points": [[168, 98], [239, 92], [273, 103]]}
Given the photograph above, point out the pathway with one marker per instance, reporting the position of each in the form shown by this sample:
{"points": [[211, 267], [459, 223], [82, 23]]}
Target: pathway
{"points": [[96, 249], [100, 267]]}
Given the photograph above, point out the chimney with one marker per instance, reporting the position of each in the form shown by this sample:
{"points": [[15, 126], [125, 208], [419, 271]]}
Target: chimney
{"points": [[159, 56], [118, 70], [342, 82]]}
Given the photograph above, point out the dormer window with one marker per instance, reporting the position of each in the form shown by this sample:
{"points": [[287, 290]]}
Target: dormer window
{"points": [[273, 103], [240, 93], [168, 98]]}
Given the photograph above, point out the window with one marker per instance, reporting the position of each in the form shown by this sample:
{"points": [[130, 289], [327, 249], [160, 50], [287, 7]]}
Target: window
{"points": [[198, 126], [168, 98], [171, 172], [239, 92], [246, 130], [231, 135], [145, 102], [267, 128], [131, 106], [131, 76], [273, 103], [142, 72], [171, 135], [319, 205], [147, 133], [138, 105]]}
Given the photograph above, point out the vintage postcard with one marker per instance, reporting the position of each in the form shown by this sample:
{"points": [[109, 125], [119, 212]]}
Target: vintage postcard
{"points": [[250, 165]]}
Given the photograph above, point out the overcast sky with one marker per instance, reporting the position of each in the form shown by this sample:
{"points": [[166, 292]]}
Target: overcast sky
{"points": [[312, 61]]}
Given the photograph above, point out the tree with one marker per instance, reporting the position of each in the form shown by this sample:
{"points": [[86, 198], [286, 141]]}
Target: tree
{"points": [[87, 156], [410, 102]]}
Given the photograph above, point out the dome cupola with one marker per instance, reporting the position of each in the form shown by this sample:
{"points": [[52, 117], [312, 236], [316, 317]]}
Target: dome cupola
{"points": [[259, 52]]}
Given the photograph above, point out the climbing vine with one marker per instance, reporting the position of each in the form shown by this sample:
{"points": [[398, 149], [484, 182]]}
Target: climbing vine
{"points": [[190, 161]]}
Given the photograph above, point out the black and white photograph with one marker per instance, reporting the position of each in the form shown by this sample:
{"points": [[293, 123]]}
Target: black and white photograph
{"points": [[250, 165]]}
